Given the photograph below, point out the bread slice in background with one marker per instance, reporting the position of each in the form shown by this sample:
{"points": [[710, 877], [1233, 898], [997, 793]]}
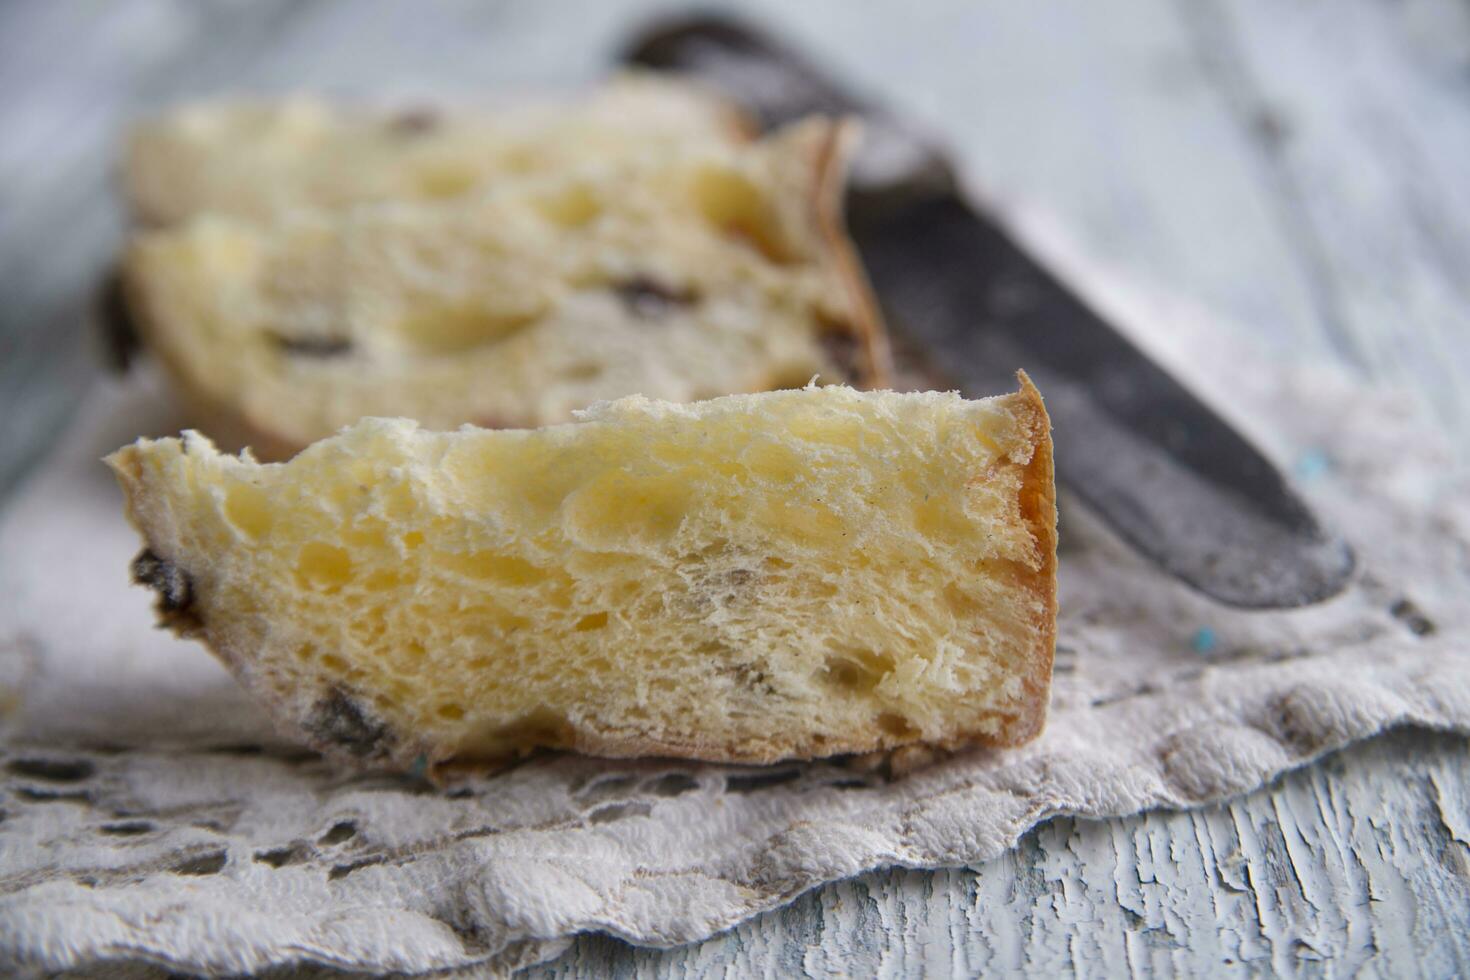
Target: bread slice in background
{"points": [[752, 578], [707, 270], [264, 160]]}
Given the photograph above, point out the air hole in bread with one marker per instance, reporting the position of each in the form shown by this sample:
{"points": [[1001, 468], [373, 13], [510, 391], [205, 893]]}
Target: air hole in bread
{"points": [[619, 504], [583, 371], [858, 671], [323, 567], [592, 621], [247, 508], [570, 207], [446, 179], [453, 329], [499, 568], [897, 725], [382, 580], [733, 204], [961, 602]]}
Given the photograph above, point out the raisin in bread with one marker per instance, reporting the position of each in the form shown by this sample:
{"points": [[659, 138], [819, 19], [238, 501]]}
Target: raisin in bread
{"points": [[752, 578], [712, 270], [263, 160]]}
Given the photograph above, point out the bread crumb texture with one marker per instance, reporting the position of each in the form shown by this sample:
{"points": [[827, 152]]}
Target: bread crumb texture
{"points": [[262, 160], [678, 268], [756, 577]]}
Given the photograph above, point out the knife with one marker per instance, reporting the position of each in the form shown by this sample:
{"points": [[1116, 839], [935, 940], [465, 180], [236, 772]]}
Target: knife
{"points": [[1171, 477]]}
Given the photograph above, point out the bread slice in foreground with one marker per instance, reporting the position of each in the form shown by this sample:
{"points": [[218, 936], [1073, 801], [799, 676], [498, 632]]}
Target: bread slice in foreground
{"points": [[753, 578], [710, 271], [263, 160]]}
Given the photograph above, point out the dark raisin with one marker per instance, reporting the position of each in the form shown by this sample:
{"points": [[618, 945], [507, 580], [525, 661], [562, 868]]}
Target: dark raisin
{"points": [[648, 299], [115, 326], [322, 347], [414, 122], [172, 584], [340, 720]]}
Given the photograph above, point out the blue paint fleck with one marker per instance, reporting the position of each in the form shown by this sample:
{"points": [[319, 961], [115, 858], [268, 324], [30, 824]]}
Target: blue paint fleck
{"points": [[1204, 640], [1312, 464], [420, 767]]}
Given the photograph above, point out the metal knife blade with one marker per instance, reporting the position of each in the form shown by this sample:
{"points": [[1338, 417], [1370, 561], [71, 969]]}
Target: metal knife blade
{"points": [[1158, 465]]}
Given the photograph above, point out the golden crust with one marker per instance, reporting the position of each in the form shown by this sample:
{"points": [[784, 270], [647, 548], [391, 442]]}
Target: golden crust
{"points": [[1039, 507]]}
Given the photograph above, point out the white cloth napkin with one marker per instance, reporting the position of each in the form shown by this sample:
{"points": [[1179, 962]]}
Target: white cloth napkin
{"points": [[150, 815]]}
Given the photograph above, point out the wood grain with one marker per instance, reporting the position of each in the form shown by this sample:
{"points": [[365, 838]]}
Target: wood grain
{"points": [[1357, 865], [1296, 166]]}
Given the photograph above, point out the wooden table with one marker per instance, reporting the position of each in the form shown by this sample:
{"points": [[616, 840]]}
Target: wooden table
{"points": [[1300, 167]]}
